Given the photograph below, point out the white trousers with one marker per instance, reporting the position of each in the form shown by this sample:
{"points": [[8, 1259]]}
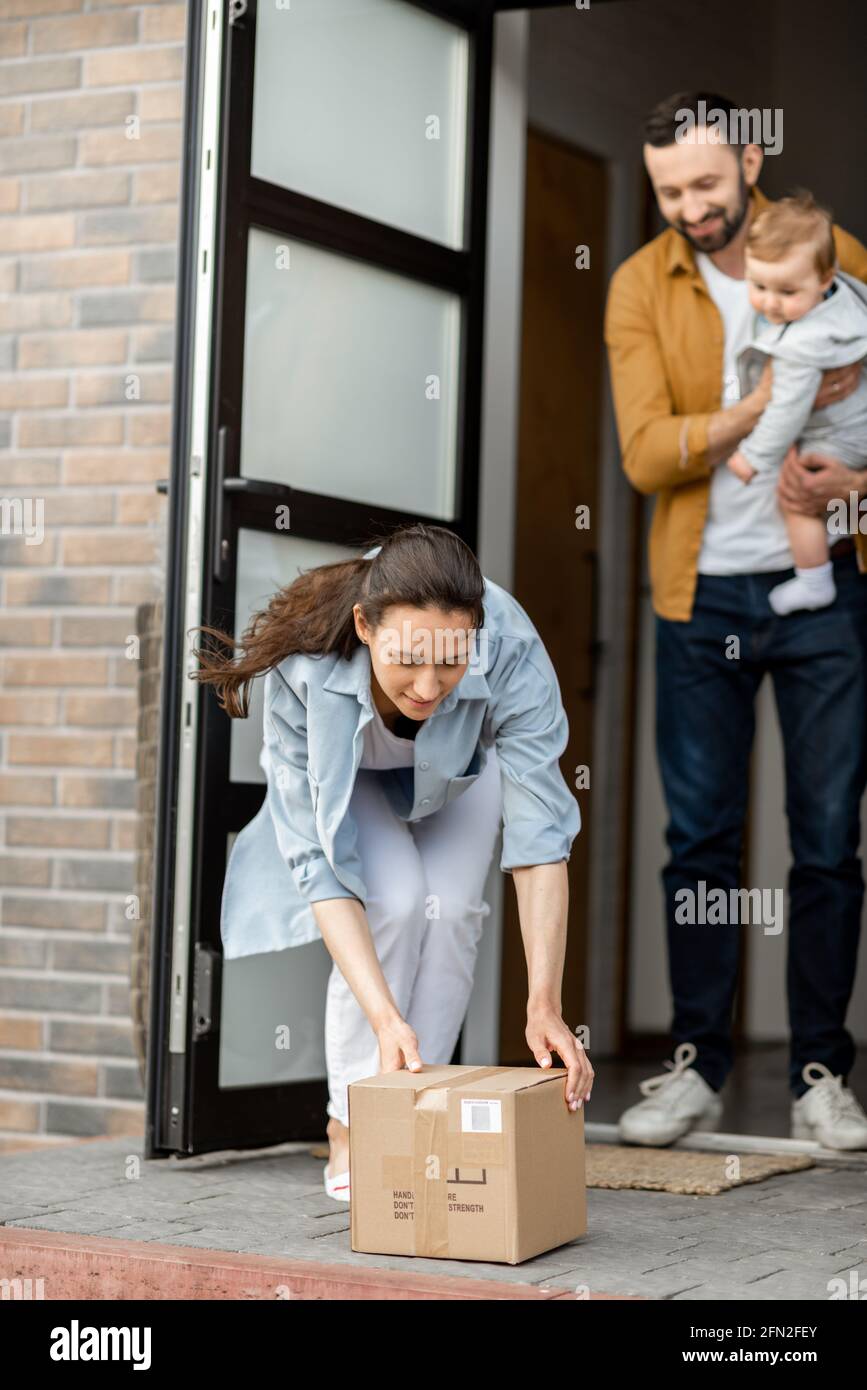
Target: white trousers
{"points": [[426, 912]]}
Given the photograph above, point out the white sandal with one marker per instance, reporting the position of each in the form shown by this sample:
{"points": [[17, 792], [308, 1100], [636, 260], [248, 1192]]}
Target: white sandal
{"points": [[338, 1186]]}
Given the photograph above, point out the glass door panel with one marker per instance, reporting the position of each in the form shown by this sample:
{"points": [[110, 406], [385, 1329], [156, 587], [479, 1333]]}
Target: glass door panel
{"points": [[272, 1017], [266, 563], [350, 379], [273, 1004], [363, 104]]}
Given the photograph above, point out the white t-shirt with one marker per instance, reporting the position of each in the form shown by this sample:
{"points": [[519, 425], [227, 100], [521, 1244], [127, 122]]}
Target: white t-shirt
{"points": [[744, 532], [384, 749]]}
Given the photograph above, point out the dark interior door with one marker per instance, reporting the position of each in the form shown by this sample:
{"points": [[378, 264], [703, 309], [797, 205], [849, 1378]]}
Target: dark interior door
{"points": [[555, 506]]}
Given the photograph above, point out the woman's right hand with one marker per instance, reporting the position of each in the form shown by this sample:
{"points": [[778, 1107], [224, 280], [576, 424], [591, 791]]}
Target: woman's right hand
{"points": [[398, 1046]]}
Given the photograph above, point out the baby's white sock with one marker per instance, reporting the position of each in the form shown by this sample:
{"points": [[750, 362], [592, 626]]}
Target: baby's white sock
{"points": [[811, 588]]}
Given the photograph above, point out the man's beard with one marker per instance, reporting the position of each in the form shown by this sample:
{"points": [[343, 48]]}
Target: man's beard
{"points": [[731, 224]]}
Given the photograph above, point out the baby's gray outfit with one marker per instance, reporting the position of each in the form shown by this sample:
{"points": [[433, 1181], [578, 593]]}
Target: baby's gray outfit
{"points": [[832, 334]]}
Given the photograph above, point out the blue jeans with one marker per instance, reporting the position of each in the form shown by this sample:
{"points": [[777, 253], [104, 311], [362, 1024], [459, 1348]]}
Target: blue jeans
{"points": [[705, 721]]}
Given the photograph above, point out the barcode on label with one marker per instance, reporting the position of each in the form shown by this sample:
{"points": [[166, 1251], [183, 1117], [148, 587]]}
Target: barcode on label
{"points": [[481, 1116]]}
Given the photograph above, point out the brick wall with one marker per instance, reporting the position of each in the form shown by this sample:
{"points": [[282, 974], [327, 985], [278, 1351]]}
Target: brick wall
{"points": [[90, 137]]}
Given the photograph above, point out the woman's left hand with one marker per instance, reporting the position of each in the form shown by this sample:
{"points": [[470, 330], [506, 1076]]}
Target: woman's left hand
{"points": [[546, 1033]]}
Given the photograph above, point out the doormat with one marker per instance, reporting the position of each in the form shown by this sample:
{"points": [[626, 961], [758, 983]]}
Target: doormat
{"points": [[672, 1170], [677, 1170]]}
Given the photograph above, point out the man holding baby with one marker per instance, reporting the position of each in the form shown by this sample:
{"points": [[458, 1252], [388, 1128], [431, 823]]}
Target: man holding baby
{"points": [[681, 312]]}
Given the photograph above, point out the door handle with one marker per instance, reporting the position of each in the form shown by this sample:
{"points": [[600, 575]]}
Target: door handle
{"points": [[219, 542], [233, 486]]}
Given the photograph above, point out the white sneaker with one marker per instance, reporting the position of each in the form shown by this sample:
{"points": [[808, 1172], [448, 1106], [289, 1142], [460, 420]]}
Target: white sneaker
{"points": [[829, 1112], [678, 1101], [338, 1186]]}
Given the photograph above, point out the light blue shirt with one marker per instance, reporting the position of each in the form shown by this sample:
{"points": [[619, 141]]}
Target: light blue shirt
{"points": [[302, 846]]}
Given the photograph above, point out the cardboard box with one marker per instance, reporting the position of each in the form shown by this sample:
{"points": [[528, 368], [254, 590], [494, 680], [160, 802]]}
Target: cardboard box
{"points": [[465, 1163]]}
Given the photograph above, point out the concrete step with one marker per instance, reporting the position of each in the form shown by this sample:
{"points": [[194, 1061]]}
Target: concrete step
{"points": [[66, 1266]]}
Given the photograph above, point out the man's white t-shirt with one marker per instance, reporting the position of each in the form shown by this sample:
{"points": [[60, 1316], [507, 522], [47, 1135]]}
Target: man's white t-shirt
{"points": [[745, 532]]}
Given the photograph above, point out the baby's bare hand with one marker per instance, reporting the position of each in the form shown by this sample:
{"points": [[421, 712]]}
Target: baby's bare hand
{"points": [[741, 468]]}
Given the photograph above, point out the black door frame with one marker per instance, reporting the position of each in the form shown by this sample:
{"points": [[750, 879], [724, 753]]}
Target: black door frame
{"points": [[186, 1110]]}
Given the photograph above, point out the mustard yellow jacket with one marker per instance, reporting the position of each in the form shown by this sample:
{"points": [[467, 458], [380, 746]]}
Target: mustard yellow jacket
{"points": [[665, 342]]}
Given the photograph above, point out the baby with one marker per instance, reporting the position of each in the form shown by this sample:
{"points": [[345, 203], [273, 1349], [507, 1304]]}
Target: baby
{"points": [[810, 316]]}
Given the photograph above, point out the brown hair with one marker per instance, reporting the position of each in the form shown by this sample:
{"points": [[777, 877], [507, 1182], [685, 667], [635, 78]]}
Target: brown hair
{"points": [[421, 565], [662, 124], [790, 222]]}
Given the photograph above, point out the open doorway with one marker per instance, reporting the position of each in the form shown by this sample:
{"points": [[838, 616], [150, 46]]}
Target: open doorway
{"points": [[591, 77]]}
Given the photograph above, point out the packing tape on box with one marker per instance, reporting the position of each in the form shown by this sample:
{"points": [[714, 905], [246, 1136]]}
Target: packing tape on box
{"points": [[432, 1138], [397, 1169], [431, 1217]]}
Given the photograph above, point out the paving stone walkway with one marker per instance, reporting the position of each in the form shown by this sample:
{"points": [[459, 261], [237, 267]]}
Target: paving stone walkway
{"points": [[783, 1238]]}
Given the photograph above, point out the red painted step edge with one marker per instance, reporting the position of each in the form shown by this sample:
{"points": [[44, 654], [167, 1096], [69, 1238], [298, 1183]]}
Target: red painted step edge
{"points": [[98, 1267]]}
